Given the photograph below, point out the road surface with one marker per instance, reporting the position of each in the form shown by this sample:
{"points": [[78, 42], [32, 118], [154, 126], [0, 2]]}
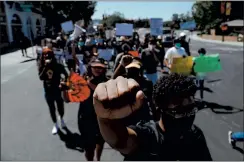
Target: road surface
{"points": [[26, 124]]}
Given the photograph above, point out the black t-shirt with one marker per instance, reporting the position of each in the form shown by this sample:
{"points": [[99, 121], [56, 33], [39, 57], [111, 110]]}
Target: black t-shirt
{"points": [[155, 145], [52, 76], [148, 61]]}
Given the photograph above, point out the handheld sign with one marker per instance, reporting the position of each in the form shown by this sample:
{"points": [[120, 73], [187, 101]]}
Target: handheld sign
{"points": [[78, 89], [124, 29], [106, 54], [207, 63], [134, 53], [67, 26], [156, 26], [182, 65]]}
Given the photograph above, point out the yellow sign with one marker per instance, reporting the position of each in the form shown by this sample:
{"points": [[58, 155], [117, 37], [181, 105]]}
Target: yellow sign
{"points": [[228, 8], [182, 65]]}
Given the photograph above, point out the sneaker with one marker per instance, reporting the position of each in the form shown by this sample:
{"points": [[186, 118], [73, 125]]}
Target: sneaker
{"points": [[55, 129], [229, 137], [63, 125]]}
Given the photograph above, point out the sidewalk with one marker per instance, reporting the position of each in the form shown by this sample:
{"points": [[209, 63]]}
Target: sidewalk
{"points": [[195, 37], [16, 57]]}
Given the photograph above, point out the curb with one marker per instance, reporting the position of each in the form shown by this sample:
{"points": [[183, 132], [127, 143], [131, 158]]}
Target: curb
{"points": [[195, 37]]}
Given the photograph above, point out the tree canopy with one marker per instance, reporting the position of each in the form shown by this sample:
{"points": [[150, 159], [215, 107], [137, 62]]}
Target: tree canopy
{"points": [[57, 12]]}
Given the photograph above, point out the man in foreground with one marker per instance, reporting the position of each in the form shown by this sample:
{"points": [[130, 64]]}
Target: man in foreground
{"points": [[174, 137]]}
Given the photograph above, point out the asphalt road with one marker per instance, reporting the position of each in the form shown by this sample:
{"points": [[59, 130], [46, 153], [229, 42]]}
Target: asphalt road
{"points": [[26, 124]]}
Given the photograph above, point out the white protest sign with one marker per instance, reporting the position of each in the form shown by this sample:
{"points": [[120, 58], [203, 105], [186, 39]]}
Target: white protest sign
{"points": [[156, 26], [106, 54], [67, 26], [124, 29], [109, 34]]}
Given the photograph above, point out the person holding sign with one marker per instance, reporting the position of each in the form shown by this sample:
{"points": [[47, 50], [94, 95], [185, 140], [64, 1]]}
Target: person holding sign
{"points": [[200, 76], [87, 119], [173, 52]]}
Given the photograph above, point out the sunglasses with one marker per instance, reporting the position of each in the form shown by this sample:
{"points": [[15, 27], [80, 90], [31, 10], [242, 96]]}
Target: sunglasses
{"points": [[185, 111]]}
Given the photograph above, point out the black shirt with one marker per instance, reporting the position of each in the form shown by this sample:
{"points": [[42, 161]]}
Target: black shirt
{"points": [[148, 61], [185, 45], [155, 145], [51, 77]]}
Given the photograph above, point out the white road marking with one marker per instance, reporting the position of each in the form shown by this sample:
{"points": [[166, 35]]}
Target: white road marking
{"points": [[235, 124], [224, 117]]}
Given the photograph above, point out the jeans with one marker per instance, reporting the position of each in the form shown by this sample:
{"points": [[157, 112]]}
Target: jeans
{"points": [[153, 77], [200, 83]]}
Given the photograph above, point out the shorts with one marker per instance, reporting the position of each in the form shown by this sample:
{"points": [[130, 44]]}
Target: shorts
{"points": [[152, 77]]}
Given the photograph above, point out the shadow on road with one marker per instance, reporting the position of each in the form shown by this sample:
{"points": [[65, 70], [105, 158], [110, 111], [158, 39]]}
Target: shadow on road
{"points": [[72, 140], [32, 59], [206, 89], [217, 108], [239, 149], [212, 81]]}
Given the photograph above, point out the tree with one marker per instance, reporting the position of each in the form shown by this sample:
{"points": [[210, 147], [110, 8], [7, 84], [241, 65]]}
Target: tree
{"points": [[111, 20], [57, 12]]}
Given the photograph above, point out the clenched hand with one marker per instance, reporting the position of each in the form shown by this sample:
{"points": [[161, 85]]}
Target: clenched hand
{"points": [[117, 99]]}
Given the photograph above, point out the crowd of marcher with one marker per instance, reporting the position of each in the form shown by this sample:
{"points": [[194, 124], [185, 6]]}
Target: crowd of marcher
{"points": [[142, 116]]}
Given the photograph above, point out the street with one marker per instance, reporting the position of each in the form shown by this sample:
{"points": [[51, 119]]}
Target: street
{"points": [[26, 124]]}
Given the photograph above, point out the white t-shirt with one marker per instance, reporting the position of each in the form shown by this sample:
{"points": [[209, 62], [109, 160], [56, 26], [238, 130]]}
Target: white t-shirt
{"points": [[173, 53]]}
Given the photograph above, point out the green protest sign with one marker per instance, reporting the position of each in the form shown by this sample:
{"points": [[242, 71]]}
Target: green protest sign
{"points": [[207, 63]]}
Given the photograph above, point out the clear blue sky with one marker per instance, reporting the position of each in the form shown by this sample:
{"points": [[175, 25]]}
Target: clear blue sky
{"points": [[142, 9]]}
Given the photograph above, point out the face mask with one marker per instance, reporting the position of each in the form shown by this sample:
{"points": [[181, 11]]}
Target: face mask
{"points": [[177, 45], [177, 127]]}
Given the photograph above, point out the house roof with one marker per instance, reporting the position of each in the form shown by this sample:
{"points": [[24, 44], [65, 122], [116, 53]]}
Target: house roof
{"points": [[234, 23]]}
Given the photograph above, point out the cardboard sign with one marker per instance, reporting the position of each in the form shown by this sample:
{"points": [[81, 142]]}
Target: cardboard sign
{"points": [[106, 54], [207, 63], [156, 26], [124, 29], [134, 53], [78, 89], [67, 26], [182, 65]]}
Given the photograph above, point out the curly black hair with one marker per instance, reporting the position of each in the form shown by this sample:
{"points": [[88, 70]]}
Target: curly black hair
{"points": [[171, 87]]}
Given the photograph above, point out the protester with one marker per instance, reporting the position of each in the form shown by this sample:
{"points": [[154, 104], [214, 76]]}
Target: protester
{"points": [[125, 48], [71, 63], [150, 60], [184, 44], [50, 73], [87, 119], [201, 76], [173, 138], [23, 44], [161, 49], [173, 52]]}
